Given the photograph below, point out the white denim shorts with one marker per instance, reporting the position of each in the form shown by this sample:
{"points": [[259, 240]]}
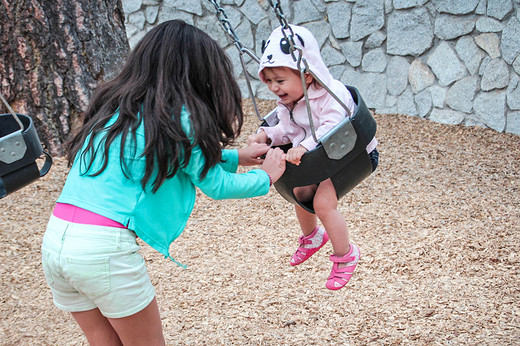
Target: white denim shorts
{"points": [[90, 267]]}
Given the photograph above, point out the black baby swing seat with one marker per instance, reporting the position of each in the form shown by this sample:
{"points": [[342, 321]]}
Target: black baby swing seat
{"points": [[19, 149], [340, 155]]}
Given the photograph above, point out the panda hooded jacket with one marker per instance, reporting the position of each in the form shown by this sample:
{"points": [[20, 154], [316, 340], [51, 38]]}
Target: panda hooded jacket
{"points": [[293, 126]]}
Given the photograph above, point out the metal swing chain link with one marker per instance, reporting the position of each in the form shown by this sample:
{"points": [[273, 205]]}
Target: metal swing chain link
{"points": [[8, 106], [224, 20]]}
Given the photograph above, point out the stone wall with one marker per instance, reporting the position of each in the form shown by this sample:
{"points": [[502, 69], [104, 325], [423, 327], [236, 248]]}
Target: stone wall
{"points": [[452, 61]]}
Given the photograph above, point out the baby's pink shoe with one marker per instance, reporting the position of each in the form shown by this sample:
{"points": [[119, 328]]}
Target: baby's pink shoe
{"points": [[339, 277], [313, 242]]}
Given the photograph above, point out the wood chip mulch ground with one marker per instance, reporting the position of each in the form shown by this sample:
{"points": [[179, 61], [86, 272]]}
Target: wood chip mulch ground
{"points": [[438, 225]]}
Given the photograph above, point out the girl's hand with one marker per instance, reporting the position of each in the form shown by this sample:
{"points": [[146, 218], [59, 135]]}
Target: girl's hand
{"points": [[252, 155], [294, 155], [260, 137], [274, 164]]}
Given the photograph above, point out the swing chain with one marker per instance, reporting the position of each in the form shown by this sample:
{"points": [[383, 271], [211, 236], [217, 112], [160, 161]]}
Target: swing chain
{"points": [[224, 20], [12, 112], [277, 8]]}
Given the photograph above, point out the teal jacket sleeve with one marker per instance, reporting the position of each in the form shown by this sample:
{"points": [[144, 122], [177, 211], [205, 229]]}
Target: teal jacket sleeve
{"points": [[222, 184], [229, 160], [221, 181]]}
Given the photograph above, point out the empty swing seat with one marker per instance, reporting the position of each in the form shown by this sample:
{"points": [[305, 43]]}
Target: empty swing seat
{"points": [[340, 155], [19, 149]]}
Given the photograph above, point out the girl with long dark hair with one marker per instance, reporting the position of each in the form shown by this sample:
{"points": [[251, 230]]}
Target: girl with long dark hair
{"points": [[149, 137]]}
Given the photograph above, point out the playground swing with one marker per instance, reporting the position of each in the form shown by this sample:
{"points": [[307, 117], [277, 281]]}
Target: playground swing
{"points": [[340, 154], [19, 149]]}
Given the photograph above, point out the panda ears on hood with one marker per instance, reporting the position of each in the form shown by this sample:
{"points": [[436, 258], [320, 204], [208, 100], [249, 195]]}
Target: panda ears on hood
{"points": [[285, 46]]}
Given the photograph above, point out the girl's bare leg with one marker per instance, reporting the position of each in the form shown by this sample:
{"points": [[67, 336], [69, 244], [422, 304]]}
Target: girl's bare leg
{"points": [[97, 328], [142, 328]]}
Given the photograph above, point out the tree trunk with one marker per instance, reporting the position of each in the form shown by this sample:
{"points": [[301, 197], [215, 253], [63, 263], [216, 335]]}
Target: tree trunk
{"points": [[53, 54]]}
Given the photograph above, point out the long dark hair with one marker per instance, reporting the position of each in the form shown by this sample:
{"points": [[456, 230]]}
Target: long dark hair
{"points": [[175, 64]]}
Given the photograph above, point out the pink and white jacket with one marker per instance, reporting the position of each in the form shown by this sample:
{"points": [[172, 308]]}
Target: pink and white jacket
{"points": [[294, 126]]}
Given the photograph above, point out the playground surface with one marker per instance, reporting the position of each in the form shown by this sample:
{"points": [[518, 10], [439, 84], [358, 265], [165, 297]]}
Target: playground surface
{"points": [[438, 226]]}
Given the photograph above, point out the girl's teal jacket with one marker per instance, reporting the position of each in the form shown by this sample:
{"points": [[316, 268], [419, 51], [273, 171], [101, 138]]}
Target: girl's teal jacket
{"points": [[157, 218]]}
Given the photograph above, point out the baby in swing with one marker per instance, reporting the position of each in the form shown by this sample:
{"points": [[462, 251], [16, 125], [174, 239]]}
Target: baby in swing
{"points": [[280, 72]]}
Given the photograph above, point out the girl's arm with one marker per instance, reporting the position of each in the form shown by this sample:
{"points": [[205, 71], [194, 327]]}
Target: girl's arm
{"points": [[219, 183]]}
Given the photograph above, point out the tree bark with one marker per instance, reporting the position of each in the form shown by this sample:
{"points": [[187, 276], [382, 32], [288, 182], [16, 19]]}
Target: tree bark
{"points": [[53, 53]]}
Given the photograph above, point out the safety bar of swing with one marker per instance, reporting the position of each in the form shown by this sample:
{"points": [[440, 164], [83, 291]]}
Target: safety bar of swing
{"points": [[12, 112]]}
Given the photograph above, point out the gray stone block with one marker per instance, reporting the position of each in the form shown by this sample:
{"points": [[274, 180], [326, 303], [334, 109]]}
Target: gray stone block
{"points": [[211, 25], [462, 93], [263, 30], [496, 75], [367, 17], [513, 123], [374, 61], [516, 65], [321, 31], [448, 27], [490, 109], [446, 65], [406, 103], [151, 13], [397, 75], [137, 19], [499, 8], [375, 40], [420, 76], [304, 11], [423, 100], [409, 32], [513, 93], [194, 7], [481, 7], [487, 24], [369, 85], [438, 95], [389, 7], [131, 6], [455, 6], [331, 56], [447, 116], [401, 4], [469, 53], [253, 11], [169, 12], [339, 18], [510, 43], [352, 52], [489, 42]]}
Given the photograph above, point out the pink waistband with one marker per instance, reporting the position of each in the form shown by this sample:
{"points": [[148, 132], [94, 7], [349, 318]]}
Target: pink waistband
{"points": [[71, 213]]}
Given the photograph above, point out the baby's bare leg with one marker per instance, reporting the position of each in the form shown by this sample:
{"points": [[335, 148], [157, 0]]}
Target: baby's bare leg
{"points": [[325, 206], [308, 221]]}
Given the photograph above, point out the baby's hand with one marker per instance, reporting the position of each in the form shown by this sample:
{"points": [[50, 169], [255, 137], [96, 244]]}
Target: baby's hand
{"points": [[260, 137], [294, 155]]}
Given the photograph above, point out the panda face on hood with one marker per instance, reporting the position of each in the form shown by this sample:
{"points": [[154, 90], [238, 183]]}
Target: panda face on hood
{"points": [[276, 52]]}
